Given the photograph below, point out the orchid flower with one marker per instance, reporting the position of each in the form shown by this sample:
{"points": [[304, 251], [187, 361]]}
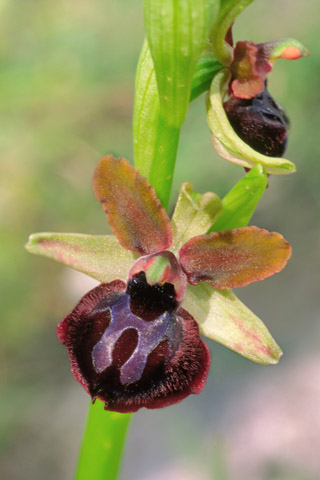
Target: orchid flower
{"points": [[133, 341], [247, 125]]}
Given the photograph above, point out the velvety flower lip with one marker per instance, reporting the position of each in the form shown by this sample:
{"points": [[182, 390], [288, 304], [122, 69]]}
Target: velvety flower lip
{"points": [[127, 362], [129, 341], [260, 122]]}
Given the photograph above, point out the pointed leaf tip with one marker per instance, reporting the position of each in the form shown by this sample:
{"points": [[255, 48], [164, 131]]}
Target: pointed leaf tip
{"points": [[99, 256], [222, 317], [133, 210], [240, 203]]}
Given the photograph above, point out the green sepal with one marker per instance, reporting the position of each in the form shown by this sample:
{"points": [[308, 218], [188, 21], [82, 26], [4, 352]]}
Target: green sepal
{"points": [[99, 256], [177, 33], [222, 317], [229, 10], [287, 48], [226, 141], [240, 203], [193, 215], [206, 68]]}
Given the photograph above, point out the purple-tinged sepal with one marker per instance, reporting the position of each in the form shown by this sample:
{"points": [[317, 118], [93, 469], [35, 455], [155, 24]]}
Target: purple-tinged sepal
{"points": [[98, 256], [222, 317]]}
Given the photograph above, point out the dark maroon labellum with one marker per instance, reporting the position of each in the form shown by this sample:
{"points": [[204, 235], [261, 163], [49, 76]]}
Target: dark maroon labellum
{"points": [[150, 301], [260, 122], [134, 347]]}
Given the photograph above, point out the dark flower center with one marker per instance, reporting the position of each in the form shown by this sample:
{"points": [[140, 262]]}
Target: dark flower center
{"points": [[148, 312], [260, 122], [150, 301]]}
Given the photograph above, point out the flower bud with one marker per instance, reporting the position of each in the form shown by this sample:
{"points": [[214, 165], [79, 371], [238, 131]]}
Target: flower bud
{"points": [[260, 122]]}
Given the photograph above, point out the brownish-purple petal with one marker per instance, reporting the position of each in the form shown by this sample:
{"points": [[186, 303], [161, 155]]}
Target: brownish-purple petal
{"points": [[252, 62], [133, 210], [234, 258]]}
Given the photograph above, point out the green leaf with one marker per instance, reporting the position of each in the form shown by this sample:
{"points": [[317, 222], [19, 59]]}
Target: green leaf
{"points": [[206, 68], [226, 141], [193, 215], [222, 317], [103, 443], [177, 32], [229, 10], [146, 113], [154, 152], [99, 256], [240, 203]]}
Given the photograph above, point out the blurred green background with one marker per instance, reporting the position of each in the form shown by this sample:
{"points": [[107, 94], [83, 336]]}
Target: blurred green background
{"points": [[66, 98]]}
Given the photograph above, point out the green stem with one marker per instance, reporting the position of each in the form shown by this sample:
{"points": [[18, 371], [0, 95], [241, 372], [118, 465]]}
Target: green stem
{"points": [[165, 153], [102, 445]]}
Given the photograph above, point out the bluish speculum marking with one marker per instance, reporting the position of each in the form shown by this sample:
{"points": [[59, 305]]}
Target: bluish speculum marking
{"points": [[150, 335]]}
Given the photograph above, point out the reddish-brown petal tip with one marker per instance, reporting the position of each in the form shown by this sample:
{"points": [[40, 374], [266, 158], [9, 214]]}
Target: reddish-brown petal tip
{"points": [[234, 258], [249, 69], [133, 210]]}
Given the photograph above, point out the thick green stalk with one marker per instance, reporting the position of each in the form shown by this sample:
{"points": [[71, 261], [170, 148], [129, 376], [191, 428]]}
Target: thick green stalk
{"points": [[102, 445]]}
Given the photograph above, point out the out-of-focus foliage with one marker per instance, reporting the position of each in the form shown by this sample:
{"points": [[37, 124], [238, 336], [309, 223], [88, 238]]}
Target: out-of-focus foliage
{"points": [[66, 95]]}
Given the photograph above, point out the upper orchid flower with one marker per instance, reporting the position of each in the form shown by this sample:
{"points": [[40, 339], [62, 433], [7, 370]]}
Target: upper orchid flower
{"points": [[130, 341], [247, 125]]}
